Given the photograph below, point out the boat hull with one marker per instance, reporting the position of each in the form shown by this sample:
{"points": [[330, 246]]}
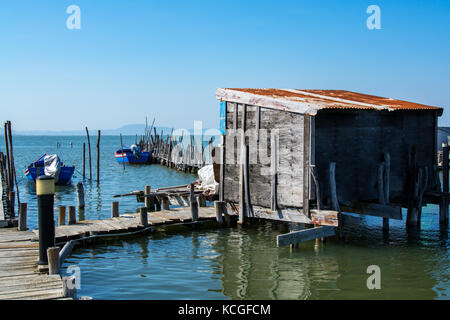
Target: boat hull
{"points": [[128, 157], [65, 174]]}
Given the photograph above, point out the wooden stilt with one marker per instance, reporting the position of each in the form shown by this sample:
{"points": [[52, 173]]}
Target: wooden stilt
{"points": [[443, 206], [194, 204]]}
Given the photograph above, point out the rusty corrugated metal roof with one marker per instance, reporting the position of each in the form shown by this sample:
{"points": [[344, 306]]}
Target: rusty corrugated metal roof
{"points": [[310, 101]]}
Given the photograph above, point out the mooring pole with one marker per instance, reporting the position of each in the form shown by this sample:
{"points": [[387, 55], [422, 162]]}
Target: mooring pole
{"points": [[84, 160], [194, 204], [89, 151], [98, 156], [45, 191]]}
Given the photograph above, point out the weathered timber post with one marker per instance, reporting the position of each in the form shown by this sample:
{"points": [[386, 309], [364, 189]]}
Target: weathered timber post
{"points": [[72, 215], [22, 223], [80, 195], [12, 201], [115, 209], [89, 152], [61, 215], [381, 193], [443, 206], [149, 200], [45, 191], [157, 203], [274, 172], [69, 286], [411, 218], [194, 204], [201, 200], [84, 161], [445, 185], [218, 205], [241, 188], [143, 216], [53, 260], [165, 203], [334, 198], [387, 185], [98, 156]]}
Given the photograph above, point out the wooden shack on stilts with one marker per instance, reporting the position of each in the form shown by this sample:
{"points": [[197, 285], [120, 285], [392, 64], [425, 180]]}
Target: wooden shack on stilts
{"points": [[305, 155]]}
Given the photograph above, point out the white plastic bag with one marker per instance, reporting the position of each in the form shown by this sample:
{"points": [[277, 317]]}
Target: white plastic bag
{"points": [[206, 175], [52, 166]]}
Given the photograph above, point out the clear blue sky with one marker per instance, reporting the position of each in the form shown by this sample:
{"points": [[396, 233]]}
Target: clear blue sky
{"points": [[166, 58]]}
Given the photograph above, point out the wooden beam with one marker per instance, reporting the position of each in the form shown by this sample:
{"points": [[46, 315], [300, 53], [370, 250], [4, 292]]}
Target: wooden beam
{"points": [[373, 209], [304, 235], [274, 172], [306, 163], [334, 198], [286, 214]]}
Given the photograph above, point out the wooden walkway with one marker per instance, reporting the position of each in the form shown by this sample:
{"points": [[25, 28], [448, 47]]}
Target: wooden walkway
{"points": [[19, 276], [127, 223]]}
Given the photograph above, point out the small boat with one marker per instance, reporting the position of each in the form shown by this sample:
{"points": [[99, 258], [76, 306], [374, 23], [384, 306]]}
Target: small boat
{"points": [[131, 155], [50, 165]]}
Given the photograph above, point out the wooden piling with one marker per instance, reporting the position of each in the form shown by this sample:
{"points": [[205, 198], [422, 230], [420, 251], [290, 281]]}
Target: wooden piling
{"points": [[165, 203], [80, 195], [443, 206], [194, 204], [334, 198], [98, 156], [149, 201], [8, 159], [72, 215], [22, 223], [61, 215], [274, 172], [381, 192], [115, 209], [89, 153], [201, 200], [445, 184], [218, 205], [13, 166], [84, 160], [143, 216], [53, 260], [157, 203], [241, 187], [12, 200]]}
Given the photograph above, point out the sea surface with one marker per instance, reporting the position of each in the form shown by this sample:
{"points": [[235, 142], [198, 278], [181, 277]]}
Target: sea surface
{"points": [[237, 262]]}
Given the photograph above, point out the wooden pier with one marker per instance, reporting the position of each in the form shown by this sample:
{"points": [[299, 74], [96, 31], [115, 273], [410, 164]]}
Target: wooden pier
{"points": [[128, 223], [173, 151], [19, 274]]}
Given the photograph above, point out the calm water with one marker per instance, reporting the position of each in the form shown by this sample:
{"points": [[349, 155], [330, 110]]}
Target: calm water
{"points": [[113, 178], [237, 262]]}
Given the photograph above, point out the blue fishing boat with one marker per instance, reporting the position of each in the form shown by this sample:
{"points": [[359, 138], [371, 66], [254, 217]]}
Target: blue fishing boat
{"points": [[50, 165], [131, 155]]}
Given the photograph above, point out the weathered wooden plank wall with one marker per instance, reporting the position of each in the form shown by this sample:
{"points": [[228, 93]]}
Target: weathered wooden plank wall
{"points": [[290, 171], [357, 139]]}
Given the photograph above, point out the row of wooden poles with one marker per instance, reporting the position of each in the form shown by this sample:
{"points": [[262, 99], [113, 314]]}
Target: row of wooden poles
{"points": [[72, 218], [172, 153], [9, 170], [89, 154]]}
